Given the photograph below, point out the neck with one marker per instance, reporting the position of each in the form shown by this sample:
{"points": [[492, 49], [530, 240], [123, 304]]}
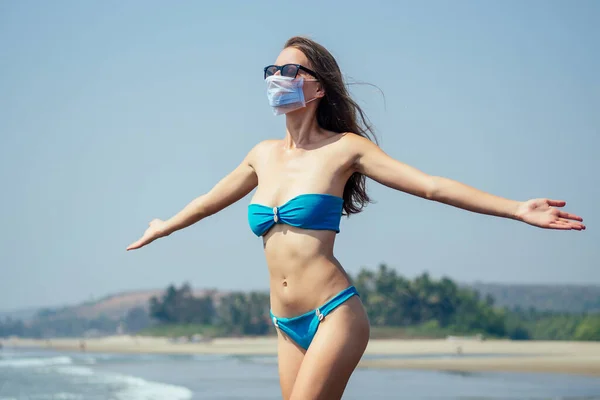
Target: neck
{"points": [[302, 128]]}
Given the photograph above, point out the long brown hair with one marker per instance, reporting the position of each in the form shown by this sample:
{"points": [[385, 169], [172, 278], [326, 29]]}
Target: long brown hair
{"points": [[337, 112]]}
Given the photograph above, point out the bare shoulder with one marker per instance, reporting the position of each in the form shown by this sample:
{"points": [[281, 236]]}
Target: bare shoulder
{"points": [[356, 145], [261, 149], [265, 146], [354, 140]]}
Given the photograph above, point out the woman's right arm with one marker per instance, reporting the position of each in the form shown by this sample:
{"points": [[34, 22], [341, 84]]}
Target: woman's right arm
{"points": [[227, 191]]}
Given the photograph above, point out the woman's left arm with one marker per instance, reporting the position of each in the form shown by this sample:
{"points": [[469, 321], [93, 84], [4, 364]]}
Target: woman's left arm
{"points": [[376, 164]]}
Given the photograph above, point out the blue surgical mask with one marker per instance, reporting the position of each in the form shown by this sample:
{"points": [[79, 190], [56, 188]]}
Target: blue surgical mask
{"points": [[285, 94]]}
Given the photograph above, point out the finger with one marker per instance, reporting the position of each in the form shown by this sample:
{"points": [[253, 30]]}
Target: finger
{"points": [[559, 225], [565, 224], [567, 215], [557, 203], [135, 245], [575, 225]]}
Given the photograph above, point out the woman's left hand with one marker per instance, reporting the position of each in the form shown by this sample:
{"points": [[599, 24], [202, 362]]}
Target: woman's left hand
{"points": [[544, 214]]}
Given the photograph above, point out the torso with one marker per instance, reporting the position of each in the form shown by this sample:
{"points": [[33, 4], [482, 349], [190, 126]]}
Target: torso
{"points": [[303, 270]]}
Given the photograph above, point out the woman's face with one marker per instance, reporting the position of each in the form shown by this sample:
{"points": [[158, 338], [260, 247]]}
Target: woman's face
{"points": [[291, 55]]}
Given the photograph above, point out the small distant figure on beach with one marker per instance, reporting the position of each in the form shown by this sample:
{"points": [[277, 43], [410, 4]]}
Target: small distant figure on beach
{"points": [[82, 345]]}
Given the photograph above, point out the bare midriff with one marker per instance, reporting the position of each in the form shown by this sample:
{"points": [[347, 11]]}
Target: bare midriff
{"points": [[303, 272]]}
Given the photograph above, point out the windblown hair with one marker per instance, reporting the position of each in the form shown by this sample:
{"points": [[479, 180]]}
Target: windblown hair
{"points": [[337, 112]]}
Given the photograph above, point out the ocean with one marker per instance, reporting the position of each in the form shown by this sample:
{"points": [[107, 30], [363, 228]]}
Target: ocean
{"points": [[40, 374]]}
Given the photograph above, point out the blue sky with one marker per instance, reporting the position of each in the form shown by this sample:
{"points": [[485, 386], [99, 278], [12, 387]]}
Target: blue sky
{"points": [[114, 113]]}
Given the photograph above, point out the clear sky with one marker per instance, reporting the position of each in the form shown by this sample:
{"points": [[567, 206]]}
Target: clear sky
{"points": [[113, 113]]}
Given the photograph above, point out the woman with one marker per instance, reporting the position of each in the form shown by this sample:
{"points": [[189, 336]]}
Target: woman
{"points": [[308, 180]]}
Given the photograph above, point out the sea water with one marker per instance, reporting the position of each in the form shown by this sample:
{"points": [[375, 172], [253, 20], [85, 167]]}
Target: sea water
{"points": [[41, 374]]}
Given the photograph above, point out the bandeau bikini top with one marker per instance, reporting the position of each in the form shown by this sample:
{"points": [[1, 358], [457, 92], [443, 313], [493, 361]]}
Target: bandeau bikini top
{"points": [[309, 211]]}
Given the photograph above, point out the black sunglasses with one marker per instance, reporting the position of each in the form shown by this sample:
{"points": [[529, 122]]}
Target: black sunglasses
{"points": [[289, 70]]}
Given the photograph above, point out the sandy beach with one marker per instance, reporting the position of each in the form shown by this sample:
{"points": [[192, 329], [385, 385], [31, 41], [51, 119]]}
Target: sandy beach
{"points": [[582, 358]]}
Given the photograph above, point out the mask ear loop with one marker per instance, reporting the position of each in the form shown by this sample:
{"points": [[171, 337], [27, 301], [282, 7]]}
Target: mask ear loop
{"points": [[315, 98]]}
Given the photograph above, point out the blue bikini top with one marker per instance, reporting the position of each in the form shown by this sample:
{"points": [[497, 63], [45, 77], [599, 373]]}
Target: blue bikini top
{"points": [[309, 211]]}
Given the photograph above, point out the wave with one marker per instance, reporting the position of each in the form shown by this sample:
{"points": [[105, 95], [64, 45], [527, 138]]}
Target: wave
{"points": [[76, 370], [66, 396], [141, 389], [81, 372], [88, 360], [128, 387], [35, 362]]}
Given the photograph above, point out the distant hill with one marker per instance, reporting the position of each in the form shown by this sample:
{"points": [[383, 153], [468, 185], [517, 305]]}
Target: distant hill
{"points": [[114, 306], [565, 298], [20, 314]]}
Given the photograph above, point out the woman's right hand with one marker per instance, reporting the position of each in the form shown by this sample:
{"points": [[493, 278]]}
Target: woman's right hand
{"points": [[155, 230], [227, 191]]}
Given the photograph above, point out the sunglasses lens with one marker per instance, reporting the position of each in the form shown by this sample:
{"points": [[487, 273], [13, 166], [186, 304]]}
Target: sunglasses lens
{"points": [[289, 70], [270, 70]]}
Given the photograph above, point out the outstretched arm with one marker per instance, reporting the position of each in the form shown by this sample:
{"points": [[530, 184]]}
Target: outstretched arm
{"points": [[376, 164], [227, 191]]}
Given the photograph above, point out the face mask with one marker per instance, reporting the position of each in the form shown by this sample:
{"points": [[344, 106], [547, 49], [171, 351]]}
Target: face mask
{"points": [[285, 94]]}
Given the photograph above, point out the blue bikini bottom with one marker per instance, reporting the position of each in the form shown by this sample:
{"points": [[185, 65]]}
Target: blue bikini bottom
{"points": [[302, 329]]}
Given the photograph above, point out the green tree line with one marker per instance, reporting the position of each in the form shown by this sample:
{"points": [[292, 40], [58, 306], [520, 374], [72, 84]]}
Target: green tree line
{"points": [[397, 306], [236, 313], [392, 300]]}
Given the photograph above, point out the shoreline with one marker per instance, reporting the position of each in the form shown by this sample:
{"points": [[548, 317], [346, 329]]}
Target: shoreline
{"points": [[457, 355]]}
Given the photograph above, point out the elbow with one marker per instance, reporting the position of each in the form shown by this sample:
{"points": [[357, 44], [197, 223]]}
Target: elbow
{"points": [[207, 205], [432, 189], [203, 208]]}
